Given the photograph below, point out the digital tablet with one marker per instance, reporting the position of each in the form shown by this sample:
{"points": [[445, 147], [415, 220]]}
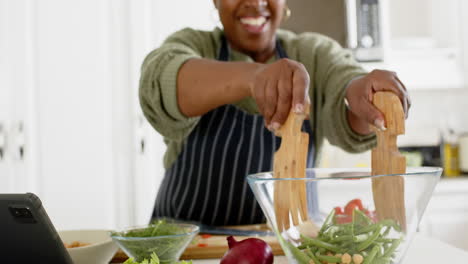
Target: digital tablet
{"points": [[26, 232]]}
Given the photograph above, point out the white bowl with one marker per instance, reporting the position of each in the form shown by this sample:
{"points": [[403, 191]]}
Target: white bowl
{"points": [[101, 248]]}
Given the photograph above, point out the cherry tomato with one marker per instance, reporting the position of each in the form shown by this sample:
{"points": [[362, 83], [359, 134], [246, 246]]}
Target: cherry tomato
{"points": [[338, 211], [343, 219], [350, 209], [357, 202]]}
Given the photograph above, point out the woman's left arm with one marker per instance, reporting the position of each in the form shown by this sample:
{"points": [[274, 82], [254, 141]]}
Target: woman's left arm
{"points": [[359, 95], [337, 76]]}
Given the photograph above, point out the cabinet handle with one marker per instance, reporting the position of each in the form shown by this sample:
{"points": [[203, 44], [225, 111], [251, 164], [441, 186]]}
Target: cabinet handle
{"points": [[2, 142], [141, 139], [19, 141]]}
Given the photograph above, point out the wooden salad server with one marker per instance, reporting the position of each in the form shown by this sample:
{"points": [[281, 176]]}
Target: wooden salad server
{"points": [[389, 192], [290, 199]]}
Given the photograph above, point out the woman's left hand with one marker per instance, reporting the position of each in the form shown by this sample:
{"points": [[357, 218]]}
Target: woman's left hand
{"points": [[360, 93]]}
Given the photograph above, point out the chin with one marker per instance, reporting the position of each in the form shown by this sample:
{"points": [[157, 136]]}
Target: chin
{"points": [[257, 45]]}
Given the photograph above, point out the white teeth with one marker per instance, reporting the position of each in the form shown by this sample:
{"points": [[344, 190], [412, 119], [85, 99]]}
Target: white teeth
{"points": [[253, 21]]}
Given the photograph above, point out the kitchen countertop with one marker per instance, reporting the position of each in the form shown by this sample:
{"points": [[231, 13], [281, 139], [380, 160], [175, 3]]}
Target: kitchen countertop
{"points": [[422, 250]]}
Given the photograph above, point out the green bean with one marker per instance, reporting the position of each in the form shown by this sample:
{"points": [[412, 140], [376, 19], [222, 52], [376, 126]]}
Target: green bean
{"points": [[313, 257], [303, 246], [385, 240], [369, 259], [328, 221], [387, 231], [381, 249], [361, 238], [368, 229], [365, 244], [300, 256], [329, 259], [363, 216], [349, 245], [392, 248], [320, 244], [343, 238]]}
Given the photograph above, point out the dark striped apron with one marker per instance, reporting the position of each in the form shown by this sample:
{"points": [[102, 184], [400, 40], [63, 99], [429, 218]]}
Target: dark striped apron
{"points": [[207, 183]]}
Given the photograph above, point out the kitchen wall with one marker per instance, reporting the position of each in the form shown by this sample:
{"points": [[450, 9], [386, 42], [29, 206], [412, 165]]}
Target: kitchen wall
{"points": [[440, 109]]}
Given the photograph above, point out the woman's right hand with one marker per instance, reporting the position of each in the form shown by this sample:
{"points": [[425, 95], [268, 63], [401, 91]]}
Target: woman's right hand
{"points": [[279, 87]]}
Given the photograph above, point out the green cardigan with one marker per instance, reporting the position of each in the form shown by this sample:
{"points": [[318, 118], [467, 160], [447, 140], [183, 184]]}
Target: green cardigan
{"points": [[330, 68]]}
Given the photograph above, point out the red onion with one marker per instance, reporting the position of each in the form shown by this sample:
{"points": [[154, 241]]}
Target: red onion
{"points": [[248, 251]]}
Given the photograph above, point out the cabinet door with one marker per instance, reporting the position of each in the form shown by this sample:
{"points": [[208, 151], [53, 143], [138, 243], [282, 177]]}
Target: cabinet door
{"points": [[446, 217], [5, 174], [15, 82], [80, 118], [448, 227]]}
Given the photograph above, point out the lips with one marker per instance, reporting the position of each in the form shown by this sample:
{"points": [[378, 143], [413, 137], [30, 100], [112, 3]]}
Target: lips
{"points": [[254, 24]]}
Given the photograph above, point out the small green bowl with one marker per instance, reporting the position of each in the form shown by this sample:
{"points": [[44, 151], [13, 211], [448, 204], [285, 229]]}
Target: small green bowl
{"points": [[168, 248]]}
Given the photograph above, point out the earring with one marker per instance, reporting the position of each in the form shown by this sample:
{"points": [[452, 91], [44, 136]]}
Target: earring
{"points": [[287, 13]]}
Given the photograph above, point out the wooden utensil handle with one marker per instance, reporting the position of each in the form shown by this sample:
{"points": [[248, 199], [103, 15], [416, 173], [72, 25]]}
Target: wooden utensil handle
{"points": [[389, 191], [386, 159], [294, 122]]}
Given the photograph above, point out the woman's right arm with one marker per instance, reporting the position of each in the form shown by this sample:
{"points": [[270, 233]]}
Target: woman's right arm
{"points": [[203, 84], [158, 82]]}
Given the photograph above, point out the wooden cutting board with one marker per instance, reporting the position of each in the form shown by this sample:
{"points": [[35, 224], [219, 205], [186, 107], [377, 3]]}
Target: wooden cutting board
{"points": [[214, 246]]}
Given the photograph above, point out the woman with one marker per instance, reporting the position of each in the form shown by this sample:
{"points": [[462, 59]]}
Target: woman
{"points": [[217, 97]]}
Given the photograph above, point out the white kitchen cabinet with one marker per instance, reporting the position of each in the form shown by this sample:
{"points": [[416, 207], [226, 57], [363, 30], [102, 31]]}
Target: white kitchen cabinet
{"points": [[69, 74], [427, 50], [15, 108], [4, 102], [446, 216], [66, 110]]}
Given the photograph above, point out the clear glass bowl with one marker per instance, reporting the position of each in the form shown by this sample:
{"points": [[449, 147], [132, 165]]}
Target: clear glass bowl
{"points": [[168, 248], [335, 226]]}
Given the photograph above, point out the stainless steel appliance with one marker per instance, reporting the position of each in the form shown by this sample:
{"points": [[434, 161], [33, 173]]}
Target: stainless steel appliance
{"points": [[356, 24]]}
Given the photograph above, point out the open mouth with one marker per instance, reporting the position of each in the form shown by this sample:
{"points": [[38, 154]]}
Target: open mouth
{"points": [[254, 24]]}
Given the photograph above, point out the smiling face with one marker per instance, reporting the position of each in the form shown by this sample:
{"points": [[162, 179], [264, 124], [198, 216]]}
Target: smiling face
{"points": [[250, 25]]}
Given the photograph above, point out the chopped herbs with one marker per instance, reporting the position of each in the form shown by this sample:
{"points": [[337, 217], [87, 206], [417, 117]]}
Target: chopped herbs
{"points": [[154, 260], [162, 239]]}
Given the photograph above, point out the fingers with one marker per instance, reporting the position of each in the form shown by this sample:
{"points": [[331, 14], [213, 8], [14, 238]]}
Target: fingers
{"points": [[259, 94], [278, 87], [371, 114], [397, 89], [388, 81], [408, 99], [292, 92], [360, 95], [301, 86], [271, 97], [283, 105]]}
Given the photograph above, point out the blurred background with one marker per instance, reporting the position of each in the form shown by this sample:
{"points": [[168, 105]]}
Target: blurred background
{"points": [[71, 129]]}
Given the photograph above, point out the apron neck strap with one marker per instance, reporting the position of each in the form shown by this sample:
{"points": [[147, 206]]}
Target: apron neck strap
{"points": [[224, 50]]}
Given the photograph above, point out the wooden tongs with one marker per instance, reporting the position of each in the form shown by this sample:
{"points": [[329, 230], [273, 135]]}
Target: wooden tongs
{"points": [[290, 160], [389, 191]]}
